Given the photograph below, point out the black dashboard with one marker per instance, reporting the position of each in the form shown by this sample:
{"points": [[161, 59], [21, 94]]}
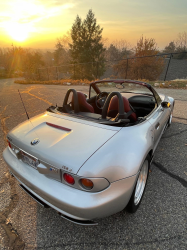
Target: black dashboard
{"points": [[142, 104], [142, 100]]}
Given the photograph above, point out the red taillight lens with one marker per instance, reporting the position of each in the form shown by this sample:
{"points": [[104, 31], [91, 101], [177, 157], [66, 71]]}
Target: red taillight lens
{"points": [[9, 144], [69, 179], [87, 184]]}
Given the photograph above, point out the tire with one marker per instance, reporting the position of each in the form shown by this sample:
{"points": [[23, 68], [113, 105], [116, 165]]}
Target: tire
{"points": [[169, 121], [140, 186], [171, 116]]}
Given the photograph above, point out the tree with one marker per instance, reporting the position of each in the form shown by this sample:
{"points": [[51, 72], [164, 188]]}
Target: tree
{"points": [[178, 46], [65, 40], [118, 49], [61, 54], [48, 57], [170, 48], [112, 53], [147, 67], [146, 64], [181, 41], [32, 61], [16, 60], [87, 49], [181, 45]]}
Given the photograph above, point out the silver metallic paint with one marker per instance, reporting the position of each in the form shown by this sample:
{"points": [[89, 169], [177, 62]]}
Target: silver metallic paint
{"points": [[61, 148], [90, 150], [67, 200]]}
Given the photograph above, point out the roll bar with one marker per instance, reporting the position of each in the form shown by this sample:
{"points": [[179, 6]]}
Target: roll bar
{"points": [[121, 106], [75, 99]]}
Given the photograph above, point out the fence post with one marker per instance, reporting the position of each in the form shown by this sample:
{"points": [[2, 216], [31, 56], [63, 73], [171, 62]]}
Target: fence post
{"points": [[74, 71], [168, 66], [127, 68]]}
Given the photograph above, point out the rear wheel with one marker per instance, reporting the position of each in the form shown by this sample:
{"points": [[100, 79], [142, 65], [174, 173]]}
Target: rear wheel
{"points": [[139, 189], [170, 119]]}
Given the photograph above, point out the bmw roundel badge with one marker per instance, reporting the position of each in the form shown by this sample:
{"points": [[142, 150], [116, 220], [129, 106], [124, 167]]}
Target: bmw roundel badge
{"points": [[35, 141]]}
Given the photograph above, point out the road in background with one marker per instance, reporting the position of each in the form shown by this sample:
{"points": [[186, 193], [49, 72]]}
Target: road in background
{"points": [[159, 223]]}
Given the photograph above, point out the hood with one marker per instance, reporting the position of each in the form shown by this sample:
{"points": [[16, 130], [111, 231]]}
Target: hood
{"points": [[70, 143]]}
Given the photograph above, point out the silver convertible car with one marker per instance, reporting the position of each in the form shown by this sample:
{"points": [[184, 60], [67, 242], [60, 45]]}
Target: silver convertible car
{"points": [[90, 157]]}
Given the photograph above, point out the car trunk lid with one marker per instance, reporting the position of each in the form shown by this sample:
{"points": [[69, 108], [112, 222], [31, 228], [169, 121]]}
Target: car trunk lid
{"points": [[62, 142]]}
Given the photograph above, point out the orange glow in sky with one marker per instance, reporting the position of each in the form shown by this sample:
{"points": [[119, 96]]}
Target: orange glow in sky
{"points": [[38, 23]]}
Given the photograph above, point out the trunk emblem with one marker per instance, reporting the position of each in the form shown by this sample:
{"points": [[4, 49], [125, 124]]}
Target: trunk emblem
{"points": [[35, 141]]}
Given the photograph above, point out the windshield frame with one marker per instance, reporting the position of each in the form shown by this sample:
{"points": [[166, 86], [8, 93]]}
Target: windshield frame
{"points": [[121, 81]]}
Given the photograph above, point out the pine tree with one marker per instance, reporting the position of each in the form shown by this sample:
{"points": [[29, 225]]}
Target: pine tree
{"points": [[60, 54], [87, 49]]}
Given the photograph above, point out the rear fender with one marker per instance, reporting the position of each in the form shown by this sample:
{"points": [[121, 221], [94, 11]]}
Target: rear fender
{"points": [[122, 156]]}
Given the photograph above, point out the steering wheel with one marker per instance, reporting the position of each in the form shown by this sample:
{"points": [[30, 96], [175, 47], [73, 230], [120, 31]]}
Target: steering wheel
{"points": [[100, 99]]}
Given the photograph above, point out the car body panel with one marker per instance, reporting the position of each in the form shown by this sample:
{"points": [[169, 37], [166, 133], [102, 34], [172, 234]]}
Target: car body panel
{"points": [[58, 147], [86, 149], [158, 120], [71, 202], [125, 153]]}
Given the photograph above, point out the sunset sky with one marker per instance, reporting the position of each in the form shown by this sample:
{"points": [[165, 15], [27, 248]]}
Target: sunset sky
{"points": [[37, 23]]}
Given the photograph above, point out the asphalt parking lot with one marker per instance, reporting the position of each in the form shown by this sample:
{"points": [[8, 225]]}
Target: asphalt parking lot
{"points": [[159, 223]]}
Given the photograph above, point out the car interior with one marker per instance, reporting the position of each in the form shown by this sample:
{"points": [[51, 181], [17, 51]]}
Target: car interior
{"points": [[115, 108]]}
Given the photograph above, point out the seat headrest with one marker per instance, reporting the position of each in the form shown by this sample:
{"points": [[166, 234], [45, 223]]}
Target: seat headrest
{"points": [[113, 108], [83, 104]]}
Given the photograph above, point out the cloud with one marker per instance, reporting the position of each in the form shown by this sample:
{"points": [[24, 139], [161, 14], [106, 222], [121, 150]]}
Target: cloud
{"points": [[113, 23], [4, 18], [29, 19], [53, 3], [57, 5], [27, 11]]}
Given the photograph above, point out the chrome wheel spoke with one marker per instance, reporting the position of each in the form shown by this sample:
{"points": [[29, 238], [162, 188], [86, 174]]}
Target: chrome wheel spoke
{"points": [[141, 182]]}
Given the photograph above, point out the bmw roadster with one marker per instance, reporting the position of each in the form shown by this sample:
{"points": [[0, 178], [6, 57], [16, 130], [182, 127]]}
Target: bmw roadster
{"points": [[90, 158]]}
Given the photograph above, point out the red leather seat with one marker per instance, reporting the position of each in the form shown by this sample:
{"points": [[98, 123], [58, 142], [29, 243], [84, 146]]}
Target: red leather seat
{"points": [[113, 108], [83, 105]]}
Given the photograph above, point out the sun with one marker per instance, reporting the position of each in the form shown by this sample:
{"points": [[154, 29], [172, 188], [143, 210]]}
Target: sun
{"points": [[18, 31], [22, 15]]}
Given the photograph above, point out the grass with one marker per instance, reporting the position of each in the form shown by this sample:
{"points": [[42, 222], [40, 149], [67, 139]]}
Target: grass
{"points": [[175, 84]]}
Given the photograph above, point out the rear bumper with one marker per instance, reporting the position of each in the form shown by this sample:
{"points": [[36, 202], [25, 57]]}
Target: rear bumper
{"points": [[71, 202]]}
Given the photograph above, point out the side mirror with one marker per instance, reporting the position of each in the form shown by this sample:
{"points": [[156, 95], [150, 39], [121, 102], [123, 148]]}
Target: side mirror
{"points": [[165, 104]]}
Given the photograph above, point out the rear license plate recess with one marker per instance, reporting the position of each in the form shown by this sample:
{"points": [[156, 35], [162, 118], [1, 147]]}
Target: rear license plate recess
{"points": [[28, 159]]}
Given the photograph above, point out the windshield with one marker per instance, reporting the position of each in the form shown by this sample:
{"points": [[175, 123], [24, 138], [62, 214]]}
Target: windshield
{"points": [[122, 88]]}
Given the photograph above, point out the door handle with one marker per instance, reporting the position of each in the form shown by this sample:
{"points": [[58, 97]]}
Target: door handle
{"points": [[157, 126]]}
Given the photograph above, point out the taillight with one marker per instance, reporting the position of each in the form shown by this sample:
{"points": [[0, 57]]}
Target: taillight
{"points": [[69, 179], [9, 144], [86, 183]]}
